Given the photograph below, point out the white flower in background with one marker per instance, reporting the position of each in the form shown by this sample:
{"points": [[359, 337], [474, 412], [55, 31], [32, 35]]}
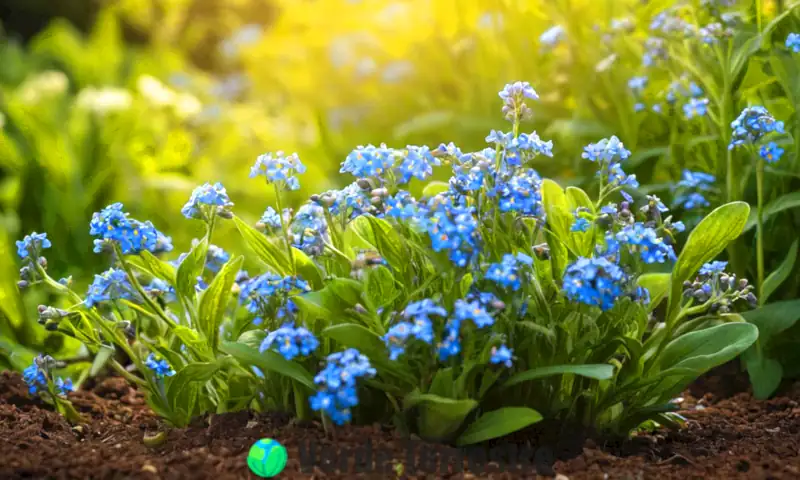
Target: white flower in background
{"points": [[154, 91], [552, 36], [47, 84], [187, 105], [104, 100]]}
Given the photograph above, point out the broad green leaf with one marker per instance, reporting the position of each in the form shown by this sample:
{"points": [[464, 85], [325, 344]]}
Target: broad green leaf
{"points": [[190, 268], [192, 339], [214, 301], [442, 383], [466, 284], [435, 188], [312, 305], [765, 373], [658, 286], [706, 241], [100, 359], [786, 202], [595, 371], [194, 372], [268, 361], [578, 198], [381, 288], [348, 291], [556, 208], [498, 423], [271, 254], [252, 338], [705, 349], [307, 269], [774, 318], [158, 268], [776, 278], [439, 418], [355, 336]]}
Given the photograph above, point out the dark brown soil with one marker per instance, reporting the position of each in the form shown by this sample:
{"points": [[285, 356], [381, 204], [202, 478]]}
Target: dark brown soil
{"points": [[726, 438]]}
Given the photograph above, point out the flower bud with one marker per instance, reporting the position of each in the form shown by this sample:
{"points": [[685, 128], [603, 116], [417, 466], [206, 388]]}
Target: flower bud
{"points": [[360, 309], [380, 192], [315, 198], [376, 200], [226, 214], [43, 262], [22, 284], [364, 184], [743, 283]]}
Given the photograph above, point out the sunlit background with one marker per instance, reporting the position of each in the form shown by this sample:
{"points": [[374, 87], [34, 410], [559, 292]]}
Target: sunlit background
{"points": [[139, 101]]}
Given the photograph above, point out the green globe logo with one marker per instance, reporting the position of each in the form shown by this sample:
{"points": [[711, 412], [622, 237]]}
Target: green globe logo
{"points": [[267, 458]]}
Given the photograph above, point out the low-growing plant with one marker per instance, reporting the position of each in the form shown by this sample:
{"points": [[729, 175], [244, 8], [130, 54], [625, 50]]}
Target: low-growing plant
{"points": [[492, 301]]}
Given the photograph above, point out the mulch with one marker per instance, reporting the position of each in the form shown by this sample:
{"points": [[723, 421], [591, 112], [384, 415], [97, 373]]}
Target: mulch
{"points": [[729, 435]]}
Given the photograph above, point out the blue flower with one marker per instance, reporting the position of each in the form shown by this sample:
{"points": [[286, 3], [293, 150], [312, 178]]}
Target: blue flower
{"points": [[701, 180], [37, 376], [793, 42], [552, 36], [279, 169], [696, 107], [691, 188], [637, 84], [450, 345], [418, 163], [771, 152], [607, 150], [258, 291], [159, 366], [502, 355], [401, 205], [32, 245], [110, 285], [752, 124], [615, 176], [207, 197], [336, 384], [712, 268], [580, 225], [112, 225], [646, 242], [594, 281], [473, 311], [451, 227], [692, 201], [506, 273], [514, 95], [520, 193], [270, 219], [369, 161], [290, 341], [216, 258], [158, 287], [309, 229]]}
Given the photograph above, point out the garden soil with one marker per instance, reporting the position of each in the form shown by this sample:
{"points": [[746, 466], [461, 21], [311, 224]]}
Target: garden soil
{"points": [[728, 435]]}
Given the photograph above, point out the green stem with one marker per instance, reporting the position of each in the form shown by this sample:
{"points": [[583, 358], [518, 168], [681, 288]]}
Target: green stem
{"points": [[285, 229], [140, 290], [760, 226], [126, 374]]}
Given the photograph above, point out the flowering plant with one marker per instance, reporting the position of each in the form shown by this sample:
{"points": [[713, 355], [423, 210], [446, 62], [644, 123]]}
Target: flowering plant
{"points": [[488, 303]]}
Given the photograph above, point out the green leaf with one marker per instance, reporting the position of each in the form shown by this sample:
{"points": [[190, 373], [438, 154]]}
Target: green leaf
{"points": [[578, 198], [268, 361], [786, 202], [356, 336], [705, 349], [381, 288], [348, 291], [774, 318], [658, 286], [253, 338], [776, 278], [439, 418], [556, 208], [214, 301], [274, 256], [158, 268], [101, 358], [194, 372], [765, 373], [596, 371], [706, 241], [498, 423], [307, 269], [190, 268], [435, 188]]}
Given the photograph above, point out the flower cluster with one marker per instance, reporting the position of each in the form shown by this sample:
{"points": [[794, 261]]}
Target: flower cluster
{"points": [[644, 241], [112, 226], [267, 291], [719, 290], [29, 250], [309, 229], [451, 227], [514, 96], [337, 384], [507, 273], [594, 281], [38, 377], [290, 341], [110, 286], [279, 169], [207, 201], [753, 124], [417, 324], [793, 42], [160, 367], [690, 192]]}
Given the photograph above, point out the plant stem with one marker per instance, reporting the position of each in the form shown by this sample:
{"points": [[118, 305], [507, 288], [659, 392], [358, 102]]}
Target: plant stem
{"points": [[760, 226], [285, 229], [138, 286]]}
